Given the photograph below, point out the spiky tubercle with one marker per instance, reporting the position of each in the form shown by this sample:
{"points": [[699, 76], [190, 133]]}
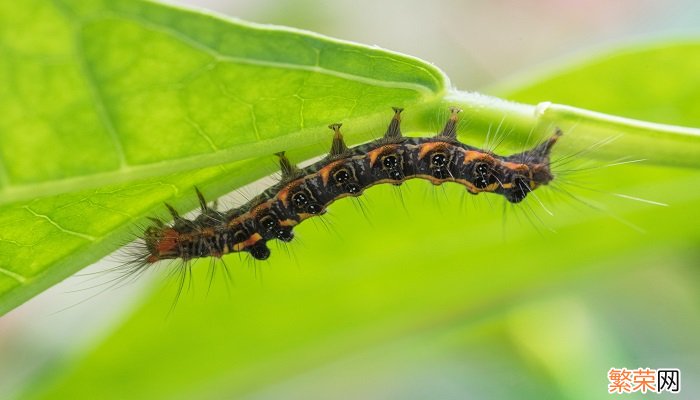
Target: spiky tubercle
{"points": [[304, 193]]}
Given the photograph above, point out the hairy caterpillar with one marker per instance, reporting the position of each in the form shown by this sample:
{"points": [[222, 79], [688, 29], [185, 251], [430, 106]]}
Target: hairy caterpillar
{"points": [[304, 193]]}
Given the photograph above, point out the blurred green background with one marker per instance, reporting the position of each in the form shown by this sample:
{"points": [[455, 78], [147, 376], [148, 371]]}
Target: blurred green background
{"points": [[434, 294]]}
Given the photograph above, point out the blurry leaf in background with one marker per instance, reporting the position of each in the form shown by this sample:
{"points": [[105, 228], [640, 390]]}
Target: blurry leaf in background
{"points": [[630, 80], [425, 302]]}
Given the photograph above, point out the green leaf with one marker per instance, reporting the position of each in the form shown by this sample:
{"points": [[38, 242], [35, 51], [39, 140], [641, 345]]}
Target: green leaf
{"points": [[118, 91], [423, 295], [102, 101]]}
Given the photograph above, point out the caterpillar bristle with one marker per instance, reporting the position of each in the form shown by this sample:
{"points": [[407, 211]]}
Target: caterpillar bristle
{"points": [[289, 171], [393, 131], [173, 212], [202, 203], [450, 129], [338, 147]]}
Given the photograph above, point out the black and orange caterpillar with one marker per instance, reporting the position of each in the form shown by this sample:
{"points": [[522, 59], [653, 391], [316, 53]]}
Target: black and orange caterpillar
{"points": [[303, 193]]}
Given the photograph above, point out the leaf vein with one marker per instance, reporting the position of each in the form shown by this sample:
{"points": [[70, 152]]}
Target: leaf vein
{"points": [[59, 227], [19, 278], [100, 105], [95, 93], [202, 133]]}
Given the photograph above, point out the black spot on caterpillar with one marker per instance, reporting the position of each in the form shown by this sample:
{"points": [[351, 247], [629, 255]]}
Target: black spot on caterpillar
{"points": [[304, 193]]}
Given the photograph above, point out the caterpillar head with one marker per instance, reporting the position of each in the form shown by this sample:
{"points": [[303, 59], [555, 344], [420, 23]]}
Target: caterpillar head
{"points": [[537, 170]]}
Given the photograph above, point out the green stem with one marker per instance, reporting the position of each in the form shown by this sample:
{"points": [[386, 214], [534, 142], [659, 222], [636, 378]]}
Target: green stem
{"points": [[608, 137], [657, 143]]}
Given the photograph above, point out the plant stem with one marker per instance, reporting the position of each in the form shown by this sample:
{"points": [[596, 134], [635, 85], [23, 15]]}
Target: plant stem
{"points": [[607, 137]]}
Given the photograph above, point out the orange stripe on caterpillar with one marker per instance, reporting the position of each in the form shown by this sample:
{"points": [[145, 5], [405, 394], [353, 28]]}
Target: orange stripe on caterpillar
{"points": [[326, 171], [377, 153], [431, 147], [251, 241]]}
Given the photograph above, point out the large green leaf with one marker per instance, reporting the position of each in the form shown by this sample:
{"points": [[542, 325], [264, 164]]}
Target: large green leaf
{"points": [[410, 304], [116, 91], [120, 95]]}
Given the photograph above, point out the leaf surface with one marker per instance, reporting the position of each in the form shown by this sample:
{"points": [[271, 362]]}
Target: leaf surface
{"points": [[101, 102]]}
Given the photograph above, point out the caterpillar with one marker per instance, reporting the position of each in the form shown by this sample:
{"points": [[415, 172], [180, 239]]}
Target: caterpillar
{"points": [[304, 193]]}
